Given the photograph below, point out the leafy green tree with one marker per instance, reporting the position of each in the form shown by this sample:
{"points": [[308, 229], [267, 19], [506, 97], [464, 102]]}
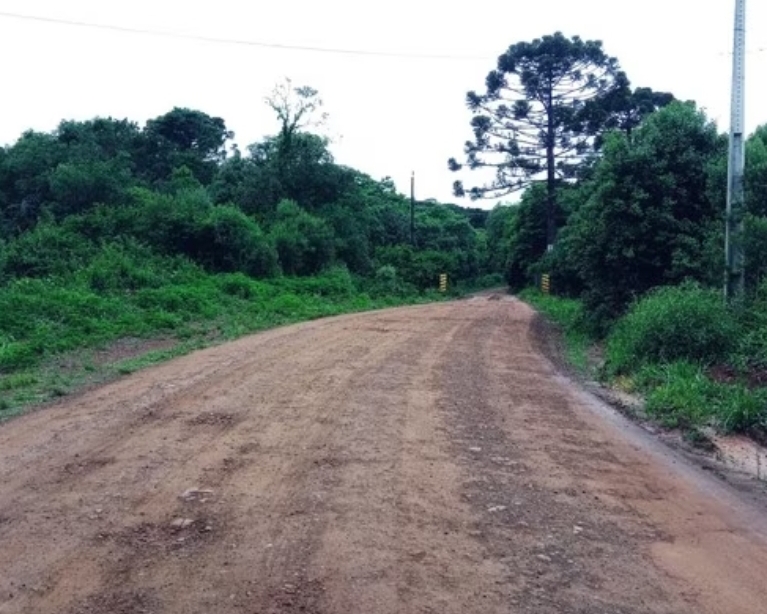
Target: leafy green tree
{"points": [[351, 243], [230, 241], [297, 108], [388, 213], [66, 171], [306, 173], [100, 139], [75, 187], [26, 172], [532, 121], [304, 242], [526, 238], [498, 229], [184, 137], [624, 109], [649, 217]]}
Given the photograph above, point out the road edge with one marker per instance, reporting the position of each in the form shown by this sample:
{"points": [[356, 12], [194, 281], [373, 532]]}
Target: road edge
{"points": [[548, 339]]}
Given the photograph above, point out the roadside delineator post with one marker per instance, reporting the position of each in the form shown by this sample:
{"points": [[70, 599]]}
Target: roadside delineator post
{"points": [[545, 283], [443, 282]]}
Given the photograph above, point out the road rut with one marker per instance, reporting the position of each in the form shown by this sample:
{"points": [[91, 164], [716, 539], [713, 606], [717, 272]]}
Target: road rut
{"points": [[422, 459]]}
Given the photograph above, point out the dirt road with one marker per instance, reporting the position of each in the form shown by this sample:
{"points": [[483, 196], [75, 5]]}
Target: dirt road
{"points": [[424, 459]]}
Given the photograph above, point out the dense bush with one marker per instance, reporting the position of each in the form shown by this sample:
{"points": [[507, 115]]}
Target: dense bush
{"points": [[673, 323], [46, 250], [751, 349], [227, 240], [304, 242]]}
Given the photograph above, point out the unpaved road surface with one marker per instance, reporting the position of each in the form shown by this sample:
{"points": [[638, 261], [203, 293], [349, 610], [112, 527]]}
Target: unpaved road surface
{"points": [[423, 459]]}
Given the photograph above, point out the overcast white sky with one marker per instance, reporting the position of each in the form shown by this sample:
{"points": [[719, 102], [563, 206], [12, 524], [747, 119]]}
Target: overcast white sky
{"points": [[390, 115]]}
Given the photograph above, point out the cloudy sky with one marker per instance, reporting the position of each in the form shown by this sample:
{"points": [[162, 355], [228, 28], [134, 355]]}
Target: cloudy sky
{"points": [[389, 113]]}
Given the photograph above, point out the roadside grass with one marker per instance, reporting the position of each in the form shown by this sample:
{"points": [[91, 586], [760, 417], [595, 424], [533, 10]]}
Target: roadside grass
{"points": [[58, 336], [567, 314], [668, 349], [682, 395]]}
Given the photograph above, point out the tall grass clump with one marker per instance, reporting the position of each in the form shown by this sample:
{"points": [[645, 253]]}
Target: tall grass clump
{"points": [[679, 323], [750, 355]]}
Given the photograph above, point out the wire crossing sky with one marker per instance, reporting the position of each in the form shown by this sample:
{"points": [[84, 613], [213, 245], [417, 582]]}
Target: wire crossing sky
{"points": [[270, 45], [247, 43]]}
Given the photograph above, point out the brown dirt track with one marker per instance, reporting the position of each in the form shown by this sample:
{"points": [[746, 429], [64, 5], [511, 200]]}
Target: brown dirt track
{"points": [[423, 459]]}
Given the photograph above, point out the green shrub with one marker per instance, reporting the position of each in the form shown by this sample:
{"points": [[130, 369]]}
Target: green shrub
{"points": [[421, 268], [47, 250], [739, 409], [238, 285], [751, 350], [304, 242], [227, 240], [683, 397], [672, 323], [126, 265], [336, 282], [15, 356]]}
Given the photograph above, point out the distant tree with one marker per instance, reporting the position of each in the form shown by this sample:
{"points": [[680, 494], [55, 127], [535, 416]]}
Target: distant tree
{"points": [[304, 242], [101, 138], [498, 225], [25, 178], [297, 108], [532, 121], [185, 137]]}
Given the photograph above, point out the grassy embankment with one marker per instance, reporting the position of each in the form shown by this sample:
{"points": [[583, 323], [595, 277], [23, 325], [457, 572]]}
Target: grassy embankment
{"points": [[696, 363], [127, 309]]}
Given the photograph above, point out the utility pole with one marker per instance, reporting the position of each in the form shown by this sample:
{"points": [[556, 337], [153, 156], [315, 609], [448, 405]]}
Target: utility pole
{"points": [[735, 273], [412, 208]]}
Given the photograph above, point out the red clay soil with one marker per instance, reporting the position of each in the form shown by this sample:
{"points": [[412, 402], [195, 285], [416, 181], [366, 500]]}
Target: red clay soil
{"points": [[424, 459]]}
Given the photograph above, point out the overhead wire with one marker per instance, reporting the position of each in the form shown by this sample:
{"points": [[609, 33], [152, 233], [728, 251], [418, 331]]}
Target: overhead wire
{"points": [[271, 45], [243, 42]]}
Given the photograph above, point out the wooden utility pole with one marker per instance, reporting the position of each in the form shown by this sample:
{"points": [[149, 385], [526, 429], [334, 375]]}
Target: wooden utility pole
{"points": [[735, 270]]}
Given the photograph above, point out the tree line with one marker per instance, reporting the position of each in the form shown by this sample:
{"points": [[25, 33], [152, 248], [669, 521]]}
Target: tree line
{"points": [[622, 189], [178, 186]]}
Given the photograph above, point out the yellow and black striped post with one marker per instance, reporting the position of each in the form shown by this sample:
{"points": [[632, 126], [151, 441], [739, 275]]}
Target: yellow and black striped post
{"points": [[443, 282], [546, 284]]}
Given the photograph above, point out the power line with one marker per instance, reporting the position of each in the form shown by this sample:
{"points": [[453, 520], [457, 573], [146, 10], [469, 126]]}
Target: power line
{"points": [[243, 42], [267, 45]]}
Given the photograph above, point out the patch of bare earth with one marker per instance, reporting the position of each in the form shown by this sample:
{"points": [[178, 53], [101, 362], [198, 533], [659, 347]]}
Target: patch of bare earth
{"points": [[113, 353], [425, 459]]}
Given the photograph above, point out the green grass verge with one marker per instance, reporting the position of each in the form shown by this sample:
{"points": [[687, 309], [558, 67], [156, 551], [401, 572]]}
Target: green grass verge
{"points": [[662, 350], [567, 314], [682, 395], [59, 335]]}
